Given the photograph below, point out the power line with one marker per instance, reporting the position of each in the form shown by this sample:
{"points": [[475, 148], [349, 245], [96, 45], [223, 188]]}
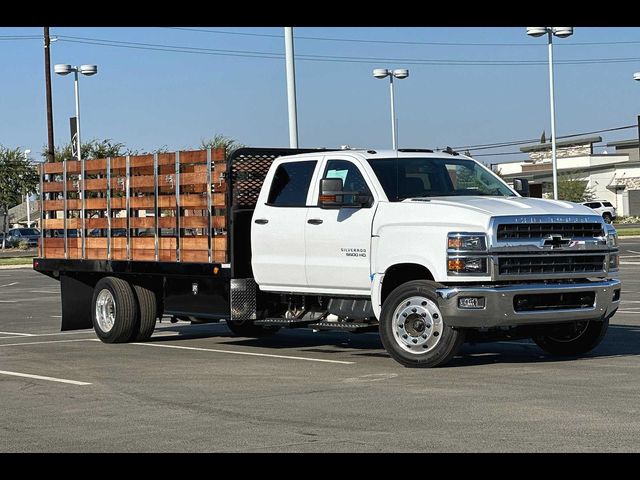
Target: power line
{"points": [[487, 146], [329, 58], [399, 42]]}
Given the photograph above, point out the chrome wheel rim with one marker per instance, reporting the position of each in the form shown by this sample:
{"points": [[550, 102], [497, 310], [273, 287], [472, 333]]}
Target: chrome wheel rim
{"points": [[105, 310], [417, 325]]}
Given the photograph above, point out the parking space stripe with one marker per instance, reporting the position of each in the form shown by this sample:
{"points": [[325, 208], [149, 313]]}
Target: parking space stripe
{"points": [[253, 354], [9, 284], [46, 334], [40, 377], [48, 341]]}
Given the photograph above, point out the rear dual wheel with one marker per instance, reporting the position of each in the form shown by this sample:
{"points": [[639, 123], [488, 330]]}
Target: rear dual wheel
{"points": [[122, 313]]}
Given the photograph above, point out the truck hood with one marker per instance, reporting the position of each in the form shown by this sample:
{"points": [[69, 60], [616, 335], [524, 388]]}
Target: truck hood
{"points": [[500, 206]]}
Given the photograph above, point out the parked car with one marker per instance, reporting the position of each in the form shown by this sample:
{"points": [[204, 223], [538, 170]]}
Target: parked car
{"points": [[17, 235], [604, 208]]}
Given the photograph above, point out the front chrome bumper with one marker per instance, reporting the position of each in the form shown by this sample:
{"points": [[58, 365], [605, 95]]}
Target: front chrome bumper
{"points": [[499, 304]]}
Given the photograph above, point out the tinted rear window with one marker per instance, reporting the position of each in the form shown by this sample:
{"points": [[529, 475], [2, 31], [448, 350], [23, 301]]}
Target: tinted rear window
{"points": [[291, 184], [607, 204]]}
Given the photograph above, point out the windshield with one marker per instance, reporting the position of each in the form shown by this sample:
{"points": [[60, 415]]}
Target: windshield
{"points": [[29, 231], [435, 177]]}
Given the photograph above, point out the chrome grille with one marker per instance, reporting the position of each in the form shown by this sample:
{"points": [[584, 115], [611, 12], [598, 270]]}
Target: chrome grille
{"points": [[548, 264], [515, 231]]}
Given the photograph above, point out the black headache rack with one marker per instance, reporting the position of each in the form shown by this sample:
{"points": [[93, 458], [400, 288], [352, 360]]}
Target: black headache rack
{"points": [[246, 171]]}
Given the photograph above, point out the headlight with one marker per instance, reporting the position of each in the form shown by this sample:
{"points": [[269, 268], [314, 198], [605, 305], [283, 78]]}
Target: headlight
{"points": [[612, 236], [467, 242], [461, 243], [614, 261], [469, 265]]}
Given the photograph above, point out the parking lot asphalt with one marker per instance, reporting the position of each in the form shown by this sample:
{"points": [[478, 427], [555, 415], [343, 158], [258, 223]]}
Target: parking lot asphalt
{"points": [[198, 388]]}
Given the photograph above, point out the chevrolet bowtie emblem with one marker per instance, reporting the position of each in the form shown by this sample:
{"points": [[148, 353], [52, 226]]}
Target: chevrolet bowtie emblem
{"points": [[555, 241]]}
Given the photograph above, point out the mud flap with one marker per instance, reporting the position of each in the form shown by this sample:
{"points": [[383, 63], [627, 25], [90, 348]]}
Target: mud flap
{"points": [[76, 303]]}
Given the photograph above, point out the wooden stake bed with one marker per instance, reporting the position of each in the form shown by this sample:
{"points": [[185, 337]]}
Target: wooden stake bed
{"points": [[169, 207]]}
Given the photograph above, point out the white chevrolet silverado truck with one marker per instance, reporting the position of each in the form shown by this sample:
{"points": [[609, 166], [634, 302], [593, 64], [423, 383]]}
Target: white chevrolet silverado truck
{"points": [[430, 249], [435, 249]]}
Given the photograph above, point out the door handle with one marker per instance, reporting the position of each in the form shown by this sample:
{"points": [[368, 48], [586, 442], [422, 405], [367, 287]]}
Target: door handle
{"points": [[261, 221], [314, 221]]}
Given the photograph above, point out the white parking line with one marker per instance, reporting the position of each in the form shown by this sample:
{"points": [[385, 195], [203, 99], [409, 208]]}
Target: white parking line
{"points": [[9, 284], [234, 352], [18, 334], [8, 301], [49, 341], [40, 377], [51, 334]]}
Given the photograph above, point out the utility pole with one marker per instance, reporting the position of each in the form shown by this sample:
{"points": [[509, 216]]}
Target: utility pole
{"points": [[47, 80], [291, 87]]}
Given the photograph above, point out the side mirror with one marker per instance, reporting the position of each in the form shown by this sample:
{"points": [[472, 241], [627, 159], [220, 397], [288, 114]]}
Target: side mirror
{"points": [[521, 185], [332, 195]]}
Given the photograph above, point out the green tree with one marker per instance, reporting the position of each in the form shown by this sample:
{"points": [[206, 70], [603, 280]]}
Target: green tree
{"points": [[573, 189], [17, 177], [92, 149], [221, 141]]}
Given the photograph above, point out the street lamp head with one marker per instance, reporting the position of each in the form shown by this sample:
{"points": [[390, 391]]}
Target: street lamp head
{"points": [[636, 76], [536, 31], [401, 73], [563, 32], [63, 69], [381, 73], [88, 69]]}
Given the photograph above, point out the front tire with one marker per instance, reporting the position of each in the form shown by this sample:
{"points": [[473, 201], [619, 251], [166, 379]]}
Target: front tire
{"points": [[413, 330], [574, 339], [246, 328], [114, 310], [607, 217]]}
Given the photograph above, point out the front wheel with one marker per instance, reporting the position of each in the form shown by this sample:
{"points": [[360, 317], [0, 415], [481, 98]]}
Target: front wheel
{"points": [[573, 339], [413, 330], [607, 217]]}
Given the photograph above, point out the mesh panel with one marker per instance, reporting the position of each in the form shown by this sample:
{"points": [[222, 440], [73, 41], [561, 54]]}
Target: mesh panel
{"points": [[248, 173]]}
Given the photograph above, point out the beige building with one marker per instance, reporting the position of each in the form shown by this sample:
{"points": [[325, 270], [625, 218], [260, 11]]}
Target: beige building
{"points": [[613, 175]]}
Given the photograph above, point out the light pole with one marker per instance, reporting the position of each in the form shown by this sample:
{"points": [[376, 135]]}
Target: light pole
{"points": [[399, 73], [88, 70], [26, 157], [561, 32]]}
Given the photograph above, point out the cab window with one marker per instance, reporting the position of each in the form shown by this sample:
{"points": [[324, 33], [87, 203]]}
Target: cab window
{"points": [[290, 184]]}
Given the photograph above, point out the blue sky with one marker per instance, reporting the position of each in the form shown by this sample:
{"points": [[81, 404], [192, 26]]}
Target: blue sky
{"points": [[147, 98]]}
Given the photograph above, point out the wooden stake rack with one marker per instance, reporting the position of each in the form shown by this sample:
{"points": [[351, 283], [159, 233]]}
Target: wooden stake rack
{"points": [[167, 207]]}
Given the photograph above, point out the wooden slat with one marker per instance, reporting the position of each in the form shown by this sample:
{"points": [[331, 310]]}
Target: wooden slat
{"points": [[96, 223], [96, 243], [194, 222], [58, 223], [55, 205], [193, 156], [200, 256], [95, 253]]}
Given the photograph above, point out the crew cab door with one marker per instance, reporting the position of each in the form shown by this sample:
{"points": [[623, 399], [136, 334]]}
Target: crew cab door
{"points": [[278, 226], [338, 241]]}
